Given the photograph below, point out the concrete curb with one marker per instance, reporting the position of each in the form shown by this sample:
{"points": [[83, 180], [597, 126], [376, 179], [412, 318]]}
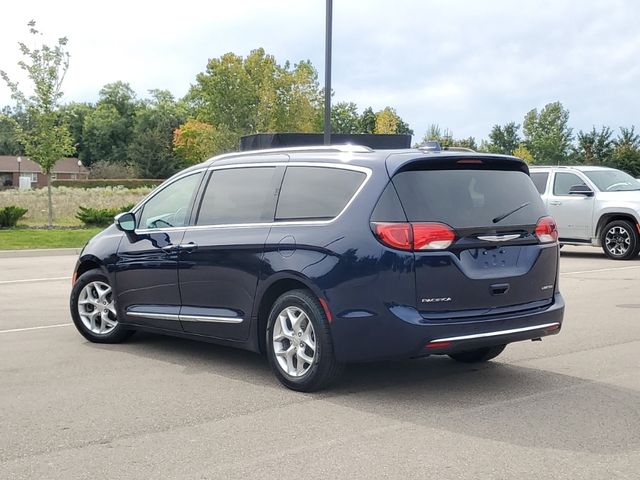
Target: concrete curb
{"points": [[44, 252]]}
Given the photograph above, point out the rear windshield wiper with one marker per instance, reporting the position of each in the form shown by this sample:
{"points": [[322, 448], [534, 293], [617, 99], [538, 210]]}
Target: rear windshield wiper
{"points": [[505, 215]]}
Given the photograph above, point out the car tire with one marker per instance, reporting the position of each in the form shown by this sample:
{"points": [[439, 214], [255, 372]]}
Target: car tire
{"points": [[93, 309], [299, 344], [478, 355], [620, 240]]}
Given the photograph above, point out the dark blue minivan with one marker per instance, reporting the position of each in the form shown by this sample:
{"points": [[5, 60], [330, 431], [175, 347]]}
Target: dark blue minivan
{"points": [[322, 256]]}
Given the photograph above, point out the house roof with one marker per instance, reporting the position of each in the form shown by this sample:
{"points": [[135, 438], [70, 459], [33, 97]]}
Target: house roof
{"points": [[9, 163]]}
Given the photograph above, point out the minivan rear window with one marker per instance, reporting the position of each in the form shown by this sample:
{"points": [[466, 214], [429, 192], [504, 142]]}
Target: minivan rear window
{"points": [[317, 193], [469, 198]]}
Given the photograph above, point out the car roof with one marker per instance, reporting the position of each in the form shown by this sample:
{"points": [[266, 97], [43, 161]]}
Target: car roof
{"points": [[356, 155]]}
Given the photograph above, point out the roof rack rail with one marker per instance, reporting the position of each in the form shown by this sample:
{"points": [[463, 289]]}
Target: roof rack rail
{"points": [[347, 148]]}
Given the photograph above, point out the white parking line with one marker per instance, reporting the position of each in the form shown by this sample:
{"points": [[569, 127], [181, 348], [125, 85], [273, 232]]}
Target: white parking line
{"points": [[35, 328], [30, 280], [600, 270]]}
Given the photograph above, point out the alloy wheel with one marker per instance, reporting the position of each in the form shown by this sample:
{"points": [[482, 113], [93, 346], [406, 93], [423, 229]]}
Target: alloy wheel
{"points": [[294, 341], [617, 241], [96, 308]]}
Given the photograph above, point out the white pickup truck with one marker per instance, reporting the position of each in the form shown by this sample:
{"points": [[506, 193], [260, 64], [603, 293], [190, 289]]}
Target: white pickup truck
{"points": [[593, 206]]}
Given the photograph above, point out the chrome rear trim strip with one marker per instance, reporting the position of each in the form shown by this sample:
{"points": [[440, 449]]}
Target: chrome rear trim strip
{"points": [[498, 238], [185, 318], [497, 333]]}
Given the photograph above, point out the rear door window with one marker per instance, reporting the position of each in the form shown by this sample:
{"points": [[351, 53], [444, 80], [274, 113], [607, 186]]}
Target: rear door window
{"points": [[469, 198], [316, 193], [540, 180]]}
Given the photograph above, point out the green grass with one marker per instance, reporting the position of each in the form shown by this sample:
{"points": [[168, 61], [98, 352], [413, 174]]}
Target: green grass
{"points": [[27, 238]]}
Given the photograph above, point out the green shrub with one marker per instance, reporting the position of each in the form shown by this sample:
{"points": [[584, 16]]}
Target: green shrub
{"points": [[10, 215], [100, 217], [122, 182]]}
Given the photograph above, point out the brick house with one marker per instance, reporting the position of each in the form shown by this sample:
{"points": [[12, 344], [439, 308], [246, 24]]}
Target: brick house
{"points": [[65, 169]]}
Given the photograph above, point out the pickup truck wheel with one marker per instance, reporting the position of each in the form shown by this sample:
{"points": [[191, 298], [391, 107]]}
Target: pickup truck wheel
{"points": [[620, 240]]}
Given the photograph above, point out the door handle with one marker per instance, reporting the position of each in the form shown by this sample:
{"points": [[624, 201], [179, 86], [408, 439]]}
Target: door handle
{"points": [[555, 204], [188, 247], [169, 248]]}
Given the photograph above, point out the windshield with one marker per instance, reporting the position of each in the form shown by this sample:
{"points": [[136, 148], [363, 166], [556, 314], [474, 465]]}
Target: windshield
{"points": [[613, 180]]}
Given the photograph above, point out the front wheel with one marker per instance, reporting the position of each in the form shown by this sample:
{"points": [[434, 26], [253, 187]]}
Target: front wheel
{"points": [[620, 240], [93, 309], [299, 344], [478, 355]]}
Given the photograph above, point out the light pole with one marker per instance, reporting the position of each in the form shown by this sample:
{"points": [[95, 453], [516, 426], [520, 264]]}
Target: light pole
{"points": [[327, 74], [19, 159]]}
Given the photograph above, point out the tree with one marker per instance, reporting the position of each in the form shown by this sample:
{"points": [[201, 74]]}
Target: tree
{"points": [[195, 141], [386, 121], [626, 151], [9, 144], [108, 129], [344, 118], [504, 140], [547, 134], [522, 153], [151, 148], [74, 115], [256, 94], [48, 139], [389, 122], [367, 121], [595, 147]]}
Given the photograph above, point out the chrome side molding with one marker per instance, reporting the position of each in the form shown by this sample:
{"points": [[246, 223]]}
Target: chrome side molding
{"points": [[185, 318]]}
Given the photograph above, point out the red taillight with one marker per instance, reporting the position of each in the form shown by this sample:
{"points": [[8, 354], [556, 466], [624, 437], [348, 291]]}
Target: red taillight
{"points": [[432, 236], [394, 235], [546, 230], [414, 236]]}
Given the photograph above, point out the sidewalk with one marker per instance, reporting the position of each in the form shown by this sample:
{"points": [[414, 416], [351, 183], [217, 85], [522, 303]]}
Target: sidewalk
{"points": [[41, 252]]}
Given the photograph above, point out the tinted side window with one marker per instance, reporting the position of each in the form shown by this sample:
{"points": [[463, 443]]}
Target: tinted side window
{"points": [[170, 206], [540, 180], [237, 195], [316, 192], [388, 208], [563, 181]]}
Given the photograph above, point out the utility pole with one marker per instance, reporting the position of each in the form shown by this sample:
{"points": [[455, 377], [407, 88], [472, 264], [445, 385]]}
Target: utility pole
{"points": [[327, 74]]}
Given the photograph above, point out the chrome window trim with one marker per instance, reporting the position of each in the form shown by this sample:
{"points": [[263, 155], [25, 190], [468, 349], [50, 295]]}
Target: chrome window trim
{"points": [[185, 318], [365, 170], [496, 333]]}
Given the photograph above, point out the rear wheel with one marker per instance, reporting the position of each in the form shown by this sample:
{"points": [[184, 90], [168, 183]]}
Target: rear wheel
{"points": [[93, 309], [478, 355], [620, 240], [299, 344]]}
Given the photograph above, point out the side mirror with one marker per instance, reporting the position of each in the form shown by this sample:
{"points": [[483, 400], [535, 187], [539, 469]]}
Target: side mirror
{"points": [[126, 221], [581, 190]]}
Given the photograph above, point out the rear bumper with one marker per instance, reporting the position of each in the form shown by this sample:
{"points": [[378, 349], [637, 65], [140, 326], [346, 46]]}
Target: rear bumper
{"points": [[401, 335]]}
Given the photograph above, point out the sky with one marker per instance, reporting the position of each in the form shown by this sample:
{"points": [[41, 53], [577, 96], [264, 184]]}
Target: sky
{"points": [[463, 64]]}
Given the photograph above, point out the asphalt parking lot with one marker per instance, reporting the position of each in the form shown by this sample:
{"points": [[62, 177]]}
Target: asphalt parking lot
{"points": [[159, 407]]}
